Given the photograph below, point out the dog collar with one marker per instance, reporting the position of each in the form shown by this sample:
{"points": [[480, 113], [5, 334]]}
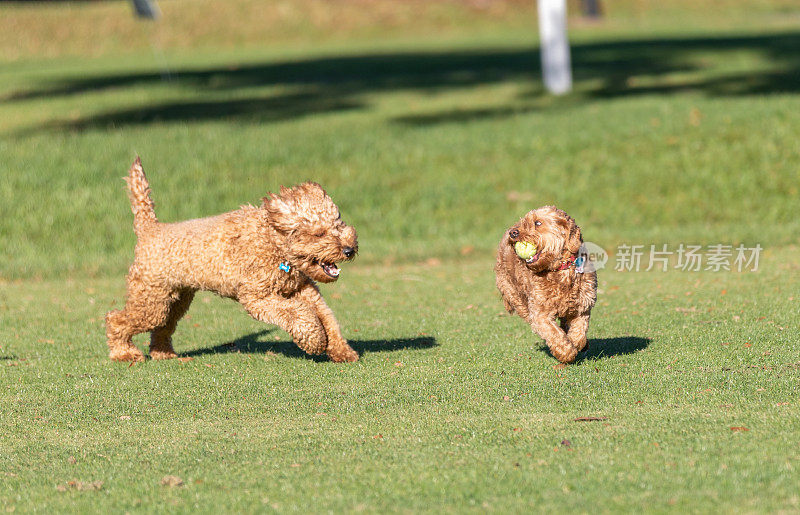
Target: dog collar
{"points": [[285, 267], [573, 260]]}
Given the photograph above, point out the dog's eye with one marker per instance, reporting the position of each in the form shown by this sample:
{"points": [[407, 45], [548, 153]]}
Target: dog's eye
{"points": [[514, 233], [537, 223]]}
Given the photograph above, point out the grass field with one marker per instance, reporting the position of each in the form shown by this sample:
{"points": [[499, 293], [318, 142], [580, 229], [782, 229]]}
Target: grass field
{"points": [[427, 123]]}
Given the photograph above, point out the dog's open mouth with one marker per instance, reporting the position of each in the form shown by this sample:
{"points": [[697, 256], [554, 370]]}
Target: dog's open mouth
{"points": [[534, 258], [331, 269]]}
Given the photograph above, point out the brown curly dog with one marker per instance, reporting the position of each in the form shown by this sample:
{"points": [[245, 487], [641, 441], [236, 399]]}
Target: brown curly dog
{"points": [[549, 281], [267, 258]]}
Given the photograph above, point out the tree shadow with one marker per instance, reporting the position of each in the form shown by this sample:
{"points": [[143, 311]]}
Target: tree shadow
{"points": [[351, 75], [255, 109], [599, 348], [257, 343], [602, 70], [463, 115]]}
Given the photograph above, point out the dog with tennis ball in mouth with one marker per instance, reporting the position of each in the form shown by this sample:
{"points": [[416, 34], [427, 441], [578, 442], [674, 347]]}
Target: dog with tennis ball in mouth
{"points": [[544, 277]]}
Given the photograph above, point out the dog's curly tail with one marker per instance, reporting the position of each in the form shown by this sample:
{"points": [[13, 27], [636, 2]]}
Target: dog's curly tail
{"points": [[139, 192]]}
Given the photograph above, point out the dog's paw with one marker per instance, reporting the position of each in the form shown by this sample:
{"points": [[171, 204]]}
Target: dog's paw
{"points": [[342, 354], [564, 353], [127, 354], [159, 354]]}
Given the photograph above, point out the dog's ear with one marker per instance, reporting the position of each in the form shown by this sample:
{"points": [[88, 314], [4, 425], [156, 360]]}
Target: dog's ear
{"points": [[304, 203], [572, 233], [574, 238], [281, 210]]}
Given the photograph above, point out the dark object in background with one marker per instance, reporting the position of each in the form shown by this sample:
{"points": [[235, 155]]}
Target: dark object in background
{"points": [[146, 9], [591, 9]]}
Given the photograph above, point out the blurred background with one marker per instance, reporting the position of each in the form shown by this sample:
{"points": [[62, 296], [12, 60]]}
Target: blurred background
{"points": [[426, 121]]}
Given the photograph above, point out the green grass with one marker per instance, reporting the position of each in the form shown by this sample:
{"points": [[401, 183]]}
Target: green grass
{"points": [[448, 146], [431, 144], [452, 407]]}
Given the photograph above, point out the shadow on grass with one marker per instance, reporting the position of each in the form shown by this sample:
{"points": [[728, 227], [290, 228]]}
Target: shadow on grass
{"points": [[257, 343], [600, 348], [610, 69], [10, 357], [267, 109], [463, 115]]}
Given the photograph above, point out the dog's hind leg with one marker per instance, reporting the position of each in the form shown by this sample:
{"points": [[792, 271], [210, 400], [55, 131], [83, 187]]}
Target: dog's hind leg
{"points": [[147, 307], [293, 315], [161, 337], [119, 332]]}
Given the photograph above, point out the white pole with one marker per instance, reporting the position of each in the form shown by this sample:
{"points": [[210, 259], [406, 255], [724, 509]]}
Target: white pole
{"points": [[556, 66]]}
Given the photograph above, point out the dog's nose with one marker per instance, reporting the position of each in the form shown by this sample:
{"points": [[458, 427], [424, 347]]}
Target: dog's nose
{"points": [[348, 252]]}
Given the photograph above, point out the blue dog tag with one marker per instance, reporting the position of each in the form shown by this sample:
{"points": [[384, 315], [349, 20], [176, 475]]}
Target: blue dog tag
{"points": [[285, 267], [579, 261]]}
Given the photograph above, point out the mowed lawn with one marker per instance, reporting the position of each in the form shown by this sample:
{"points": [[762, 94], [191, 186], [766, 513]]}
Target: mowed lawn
{"points": [[453, 405], [432, 143]]}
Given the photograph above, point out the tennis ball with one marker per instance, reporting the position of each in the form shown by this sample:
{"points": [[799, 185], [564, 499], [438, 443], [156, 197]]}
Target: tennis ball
{"points": [[525, 249]]}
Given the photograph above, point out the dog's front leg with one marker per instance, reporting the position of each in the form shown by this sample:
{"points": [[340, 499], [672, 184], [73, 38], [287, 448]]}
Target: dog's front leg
{"points": [[560, 345], [338, 349], [293, 315], [576, 332], [512, 300]]}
